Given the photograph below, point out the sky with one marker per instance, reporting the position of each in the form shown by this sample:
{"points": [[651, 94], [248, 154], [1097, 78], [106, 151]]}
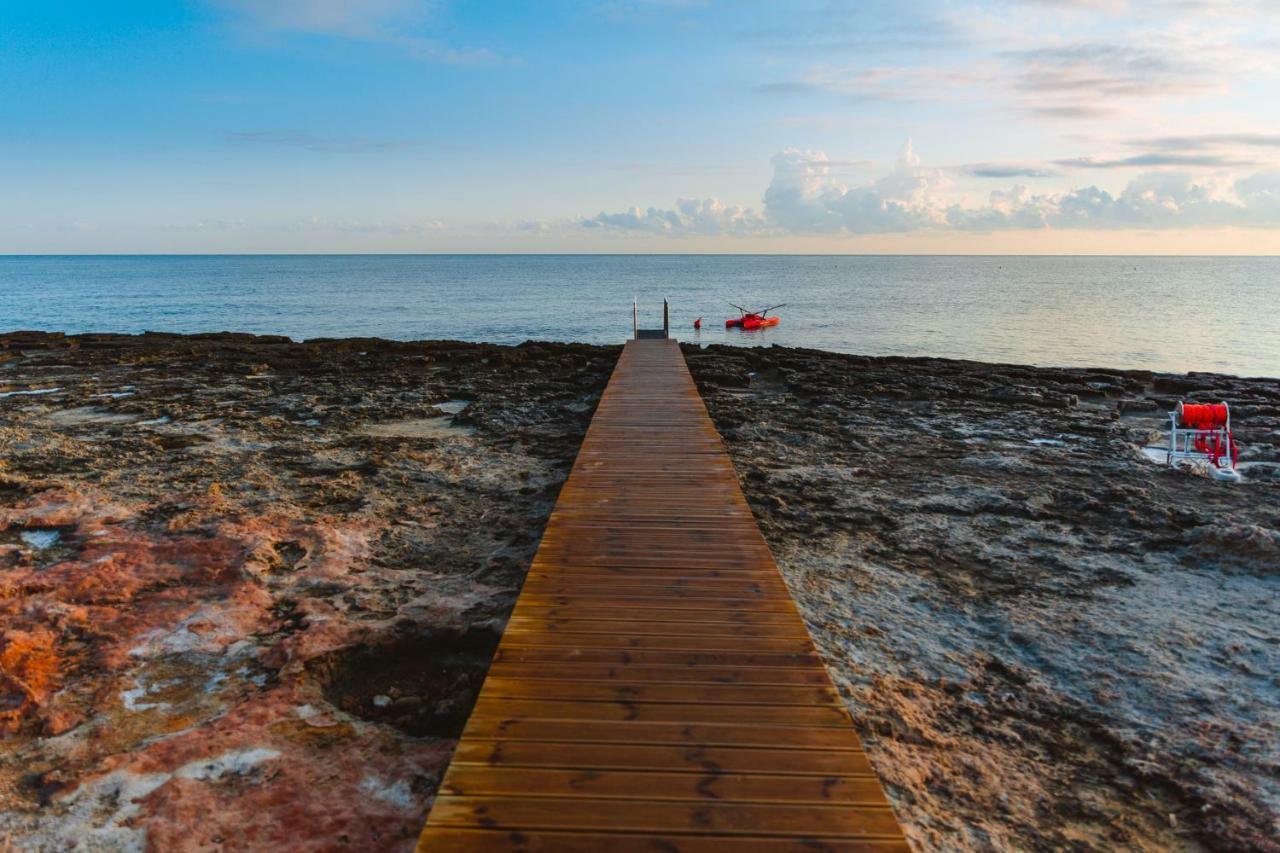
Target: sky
{"points": [[910, 126]]}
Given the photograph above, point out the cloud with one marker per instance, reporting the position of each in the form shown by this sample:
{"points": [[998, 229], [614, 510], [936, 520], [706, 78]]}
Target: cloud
{"points": [[877, 83], [311, 142], [1204, 150], [1261, 193], [1069, 111], [804, 198], [864, 27], [1180, 55], [1090, 79], [784, 87], [1158, 200], [361, 19], [1153, 160], [1083, 4], [707, 217], [394, 23], [1053, 60], [1007, 170], [1204, 141], [428, 50], [1100, 69]]}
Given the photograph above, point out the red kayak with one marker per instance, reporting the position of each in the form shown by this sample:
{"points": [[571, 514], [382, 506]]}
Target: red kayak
{"points": [[752, 320]]}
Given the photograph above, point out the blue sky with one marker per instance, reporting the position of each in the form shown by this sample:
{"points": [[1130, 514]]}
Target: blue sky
{"points": [[640, 125]]}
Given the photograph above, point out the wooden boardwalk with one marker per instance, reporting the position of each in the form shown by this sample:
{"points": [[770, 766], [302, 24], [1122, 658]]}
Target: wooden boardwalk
{"points": [[655, 688]]}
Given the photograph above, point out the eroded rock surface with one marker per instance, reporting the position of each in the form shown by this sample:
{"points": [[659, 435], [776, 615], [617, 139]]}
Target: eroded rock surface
{"points": [[249, 588], [1048, 640]]}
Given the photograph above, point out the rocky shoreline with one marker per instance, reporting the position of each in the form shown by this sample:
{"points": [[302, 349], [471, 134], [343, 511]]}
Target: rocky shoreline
{"points": [[1048, 640], [251, 585]]}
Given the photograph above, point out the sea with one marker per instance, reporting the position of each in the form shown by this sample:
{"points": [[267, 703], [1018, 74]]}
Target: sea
{"points": [[1219, 314]]}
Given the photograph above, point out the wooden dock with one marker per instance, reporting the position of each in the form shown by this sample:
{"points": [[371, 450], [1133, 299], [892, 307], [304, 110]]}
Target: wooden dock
{"points": [[656, 688]]}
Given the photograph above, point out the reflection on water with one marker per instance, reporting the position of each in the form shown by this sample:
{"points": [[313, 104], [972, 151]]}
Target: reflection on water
{"points": [[1217, 314]]}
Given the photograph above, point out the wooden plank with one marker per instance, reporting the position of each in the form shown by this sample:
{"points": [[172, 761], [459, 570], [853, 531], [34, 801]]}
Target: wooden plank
{"points": [[554, 590], [752, 734], [745, 615], [668, 712], [461, 840], [662, 641], [612, 574], [472, 780], [656, 687], [632, 756], [672, 674], [669, 602], [733, 694], [735, 818], [539, 654], [567, 583], [538, 621]]}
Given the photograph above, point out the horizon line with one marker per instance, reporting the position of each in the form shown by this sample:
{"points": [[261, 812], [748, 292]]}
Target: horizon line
{"points": [[9, 255]]}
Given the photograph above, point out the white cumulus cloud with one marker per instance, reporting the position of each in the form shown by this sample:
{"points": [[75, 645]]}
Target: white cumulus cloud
{"points": [[708, 216], [804, 197]]}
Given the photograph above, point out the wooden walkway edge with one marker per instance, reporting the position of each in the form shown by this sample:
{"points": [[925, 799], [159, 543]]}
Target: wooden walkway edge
{"points": [[656, 688]]}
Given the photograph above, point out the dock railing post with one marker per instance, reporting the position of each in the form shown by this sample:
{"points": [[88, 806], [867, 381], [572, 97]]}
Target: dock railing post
{"points": [[666, 319], [635, 318]]}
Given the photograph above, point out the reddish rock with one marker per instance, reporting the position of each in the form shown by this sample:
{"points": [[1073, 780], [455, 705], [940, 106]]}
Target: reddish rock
{"points": [[240, 565]]}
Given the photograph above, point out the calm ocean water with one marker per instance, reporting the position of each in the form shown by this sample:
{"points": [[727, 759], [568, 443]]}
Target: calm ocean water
{"points": [[1218, 314]]}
